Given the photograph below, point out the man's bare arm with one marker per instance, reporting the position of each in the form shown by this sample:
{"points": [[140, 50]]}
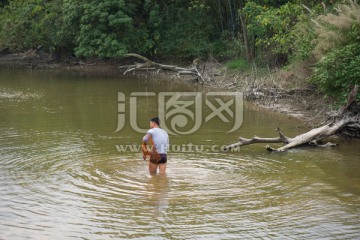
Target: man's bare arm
{"points": [[146, 137]]}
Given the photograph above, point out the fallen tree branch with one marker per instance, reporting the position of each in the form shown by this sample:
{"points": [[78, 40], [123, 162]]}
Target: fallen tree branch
{"points": [[347, 119], [245, 141], [148, 64]]}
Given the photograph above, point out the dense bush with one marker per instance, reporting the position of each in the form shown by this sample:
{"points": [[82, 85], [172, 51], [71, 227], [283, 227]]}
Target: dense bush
{"points": [[186, 30], [29, 24], [270, 29], [103, 25], [338, 50], [111, 28], [338, 71]]}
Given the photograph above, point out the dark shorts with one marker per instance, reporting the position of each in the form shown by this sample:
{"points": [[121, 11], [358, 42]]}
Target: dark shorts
{"points": [[163, 158]]}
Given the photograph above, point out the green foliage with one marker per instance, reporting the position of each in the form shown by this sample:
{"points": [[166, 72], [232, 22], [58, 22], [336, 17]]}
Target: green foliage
{"points": [[338, 50], [303, 35], [3, 3], [108, 28], [29, 24], [227, 47], [239, 64], [153, 25], [338, 71], [273, 3], [145, 33], [72, 12], [103, 26], [271, 28], [275, 30], [186, 30]]}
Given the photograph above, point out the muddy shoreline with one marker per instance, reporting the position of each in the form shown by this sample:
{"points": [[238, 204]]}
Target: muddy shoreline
{"points": [[274, 91]]}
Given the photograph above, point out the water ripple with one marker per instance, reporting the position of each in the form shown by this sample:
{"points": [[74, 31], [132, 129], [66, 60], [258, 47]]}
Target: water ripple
{"points": [[59, 185]]}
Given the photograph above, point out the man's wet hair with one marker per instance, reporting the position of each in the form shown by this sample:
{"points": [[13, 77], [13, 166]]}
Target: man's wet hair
{"points": [[155, 120]]}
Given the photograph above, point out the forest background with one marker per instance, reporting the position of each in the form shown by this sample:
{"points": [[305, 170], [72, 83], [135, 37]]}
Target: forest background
{"points": [[323, 36]]}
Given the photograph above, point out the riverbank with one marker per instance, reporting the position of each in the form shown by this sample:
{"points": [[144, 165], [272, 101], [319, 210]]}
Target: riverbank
{"points": [[281, 90]]}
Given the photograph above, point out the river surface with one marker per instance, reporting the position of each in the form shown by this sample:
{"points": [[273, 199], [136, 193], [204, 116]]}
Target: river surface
{"points": [[66, 173]]}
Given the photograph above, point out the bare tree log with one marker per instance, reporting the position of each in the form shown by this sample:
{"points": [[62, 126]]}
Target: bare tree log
{"points": [[313, 136], [347, 118], [148, 64], [245, 141], [255, 139]]}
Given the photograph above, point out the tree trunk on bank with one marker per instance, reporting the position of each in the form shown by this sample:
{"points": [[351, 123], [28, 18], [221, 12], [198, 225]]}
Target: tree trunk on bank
{"points": [[248, 50], [347, 121]]}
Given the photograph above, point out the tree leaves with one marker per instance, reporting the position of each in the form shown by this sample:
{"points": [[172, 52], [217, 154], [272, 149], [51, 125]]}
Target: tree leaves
{"points": [[102, 26], [338, 71]]}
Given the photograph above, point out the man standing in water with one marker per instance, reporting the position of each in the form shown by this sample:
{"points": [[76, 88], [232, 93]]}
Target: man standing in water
{"points": [[161, 142]]}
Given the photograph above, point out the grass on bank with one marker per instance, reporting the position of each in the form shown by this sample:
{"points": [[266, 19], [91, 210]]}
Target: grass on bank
{"points": [[238, 64]]}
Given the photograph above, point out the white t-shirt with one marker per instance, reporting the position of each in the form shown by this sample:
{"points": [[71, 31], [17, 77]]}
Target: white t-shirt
{"points": [[160, 138]]}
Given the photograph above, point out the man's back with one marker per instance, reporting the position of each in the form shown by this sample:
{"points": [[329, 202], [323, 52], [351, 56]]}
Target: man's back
{"points": [[160, 138]]}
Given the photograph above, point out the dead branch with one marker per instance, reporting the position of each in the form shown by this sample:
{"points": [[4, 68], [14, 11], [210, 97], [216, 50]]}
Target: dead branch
{"points": [[351, 99], [148, 64], [245, 141], [348, 119]]}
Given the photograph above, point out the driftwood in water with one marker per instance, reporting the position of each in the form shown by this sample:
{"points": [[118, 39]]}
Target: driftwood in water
{"points": [[150, 65], [346, 121]]}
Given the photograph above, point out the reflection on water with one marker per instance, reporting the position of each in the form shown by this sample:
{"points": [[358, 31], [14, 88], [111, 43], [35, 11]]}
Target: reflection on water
{"points": [[157, 189], [61, 176]]}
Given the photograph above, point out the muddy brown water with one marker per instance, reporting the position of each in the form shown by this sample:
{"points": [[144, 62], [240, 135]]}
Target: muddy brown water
{"points": [[64, 174]]}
